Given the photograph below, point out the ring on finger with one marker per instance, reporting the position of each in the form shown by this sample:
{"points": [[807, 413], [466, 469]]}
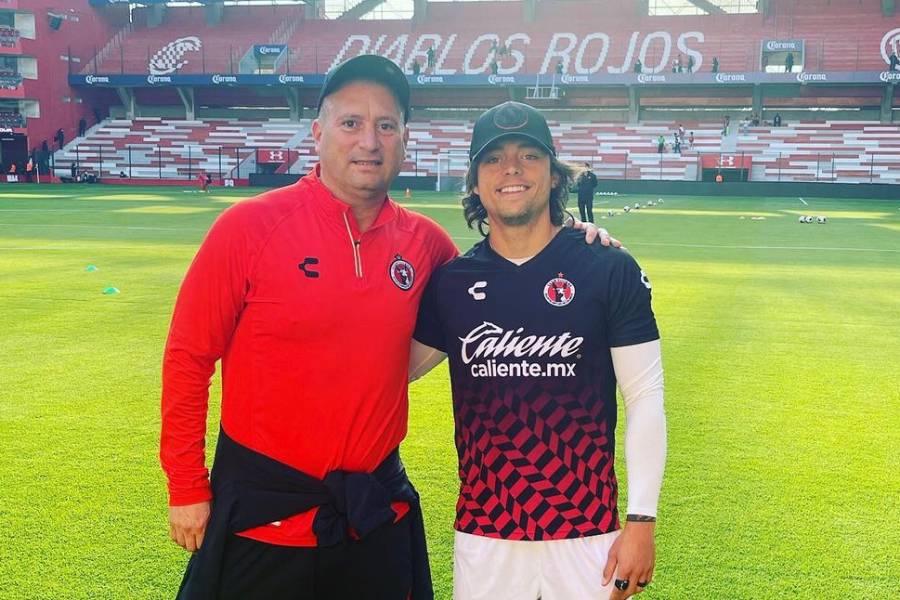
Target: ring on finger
{"points": [[622, 584], [643, 584]]}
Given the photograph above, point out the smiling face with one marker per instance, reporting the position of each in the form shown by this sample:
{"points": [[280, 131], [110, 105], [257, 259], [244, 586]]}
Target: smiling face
{"points": [[514, 182], [361, 140]]}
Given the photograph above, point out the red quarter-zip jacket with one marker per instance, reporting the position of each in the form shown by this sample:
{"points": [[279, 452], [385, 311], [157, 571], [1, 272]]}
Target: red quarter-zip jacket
{"points": [[312, 321]]}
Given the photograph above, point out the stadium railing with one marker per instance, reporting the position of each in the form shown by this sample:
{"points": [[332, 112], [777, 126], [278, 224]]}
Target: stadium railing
{"points": [[449, 167]]}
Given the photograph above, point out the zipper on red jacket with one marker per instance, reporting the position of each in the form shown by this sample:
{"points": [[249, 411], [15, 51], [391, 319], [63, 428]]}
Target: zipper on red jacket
{"points": [[357, 258]]}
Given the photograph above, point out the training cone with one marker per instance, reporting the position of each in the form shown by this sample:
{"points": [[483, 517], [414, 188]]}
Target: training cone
{"points": [[110, 291], [91, 268]]}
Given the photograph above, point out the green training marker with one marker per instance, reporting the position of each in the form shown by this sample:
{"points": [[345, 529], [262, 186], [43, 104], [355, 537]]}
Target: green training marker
{"points": [[110, 291], [91, 268]]}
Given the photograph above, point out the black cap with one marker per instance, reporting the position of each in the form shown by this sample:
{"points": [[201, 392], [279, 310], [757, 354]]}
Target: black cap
{"points": [[510, 118], [368, 67]]}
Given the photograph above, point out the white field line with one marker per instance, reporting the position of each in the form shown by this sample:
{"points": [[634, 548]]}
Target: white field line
{"points": [[70, 248], [724, 247], [131, 227]]}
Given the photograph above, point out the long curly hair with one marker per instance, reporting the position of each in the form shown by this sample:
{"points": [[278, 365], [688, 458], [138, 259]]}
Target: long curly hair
{"points": [[476, 215]]}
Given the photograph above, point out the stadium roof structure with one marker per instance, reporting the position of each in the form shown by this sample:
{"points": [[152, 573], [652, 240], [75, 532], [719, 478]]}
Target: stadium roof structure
{"points": [[404, 9]]}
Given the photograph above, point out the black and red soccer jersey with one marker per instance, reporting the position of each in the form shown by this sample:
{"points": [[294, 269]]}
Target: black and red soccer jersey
{"points": [[534, 395]]}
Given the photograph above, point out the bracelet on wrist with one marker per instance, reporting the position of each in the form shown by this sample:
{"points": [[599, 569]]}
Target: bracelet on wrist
{"points": [[640, 518]]}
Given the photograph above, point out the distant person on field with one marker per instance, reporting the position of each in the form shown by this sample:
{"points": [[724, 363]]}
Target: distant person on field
{"points": [[894, 61], [204, 180], [587, 183], [638, 66], [82, 127], [715, 64], [789, 63]]}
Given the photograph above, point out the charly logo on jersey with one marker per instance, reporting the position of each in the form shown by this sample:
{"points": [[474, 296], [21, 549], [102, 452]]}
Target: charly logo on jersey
{"points": [[307, 266], [645, 280], [402, 273], [476, 290], [559, 291]]}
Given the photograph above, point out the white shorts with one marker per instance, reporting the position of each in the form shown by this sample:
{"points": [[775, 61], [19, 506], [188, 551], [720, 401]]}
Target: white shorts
{"points": [[490, 569]]}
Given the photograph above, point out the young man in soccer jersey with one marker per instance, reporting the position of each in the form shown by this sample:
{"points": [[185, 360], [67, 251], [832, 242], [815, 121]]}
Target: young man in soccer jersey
{"points": [[539, 328]]}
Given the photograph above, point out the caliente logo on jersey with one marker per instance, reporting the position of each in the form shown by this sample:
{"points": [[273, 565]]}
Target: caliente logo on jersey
{"points": [[492, 351], [559, 291]]}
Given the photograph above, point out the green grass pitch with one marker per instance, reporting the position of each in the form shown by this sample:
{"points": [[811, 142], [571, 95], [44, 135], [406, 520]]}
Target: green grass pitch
{"points": [[781, 348]]}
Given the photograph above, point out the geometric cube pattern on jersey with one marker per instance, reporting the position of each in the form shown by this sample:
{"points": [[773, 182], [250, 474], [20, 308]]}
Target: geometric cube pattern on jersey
{"points": [[540, 465]]}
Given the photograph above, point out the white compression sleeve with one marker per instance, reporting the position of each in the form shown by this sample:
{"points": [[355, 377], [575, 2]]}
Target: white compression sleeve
{"points": [[640, 375], [422, 359]]}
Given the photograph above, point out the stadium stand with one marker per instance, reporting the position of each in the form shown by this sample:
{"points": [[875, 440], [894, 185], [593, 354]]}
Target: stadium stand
{"points": [[734, 39], [603, 37], [315, 44], [211, 48], [852, 151], [175, 149]]}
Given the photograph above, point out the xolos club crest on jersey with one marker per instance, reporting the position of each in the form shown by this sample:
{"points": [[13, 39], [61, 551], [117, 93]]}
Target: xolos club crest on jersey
{"points": [[559, 291], [402, 273]]}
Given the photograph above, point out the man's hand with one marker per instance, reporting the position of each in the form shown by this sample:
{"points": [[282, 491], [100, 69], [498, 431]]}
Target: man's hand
{"points": [[187, 524], [592, 232], [631, 558]]}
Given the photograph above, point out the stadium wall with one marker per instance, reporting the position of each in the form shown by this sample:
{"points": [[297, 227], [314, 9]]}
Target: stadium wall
{"points": [[875, 191], [83, 30], [426, 183]]}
